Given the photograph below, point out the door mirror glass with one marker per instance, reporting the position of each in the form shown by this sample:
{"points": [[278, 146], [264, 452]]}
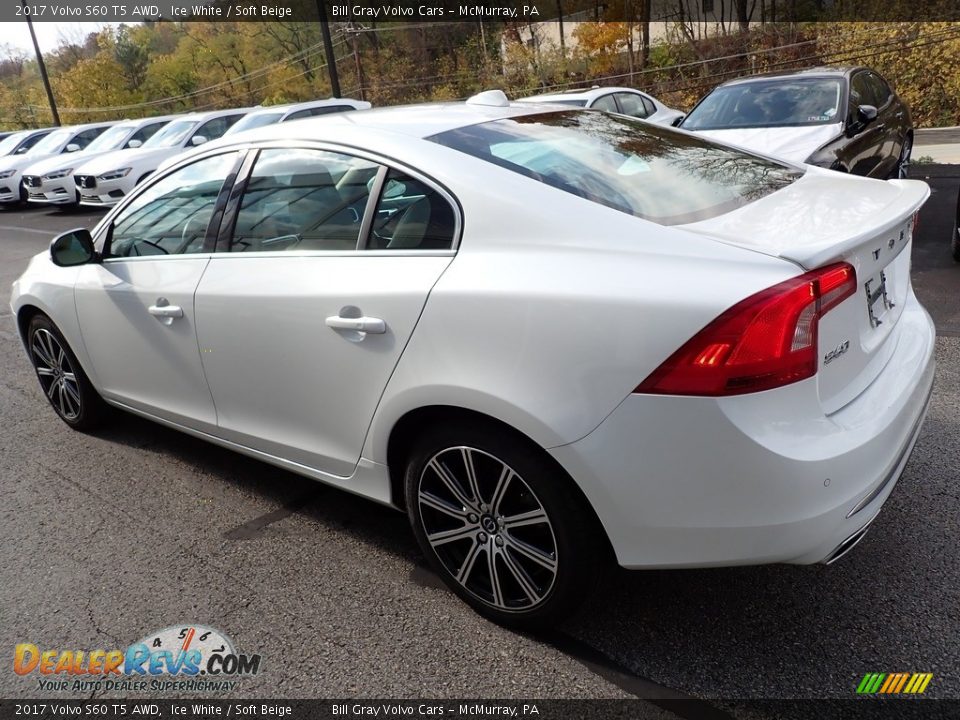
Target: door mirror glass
{"points": [[72, 147], [74, 247], [198, 140], [134, 143]]}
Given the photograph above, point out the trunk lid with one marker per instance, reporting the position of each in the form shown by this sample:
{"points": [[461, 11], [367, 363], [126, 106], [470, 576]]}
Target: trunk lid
{"points": [[828, 217]]}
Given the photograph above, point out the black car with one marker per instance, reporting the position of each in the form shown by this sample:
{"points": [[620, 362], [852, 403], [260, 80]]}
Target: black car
{"points": [[846, 119], [955, 242]]}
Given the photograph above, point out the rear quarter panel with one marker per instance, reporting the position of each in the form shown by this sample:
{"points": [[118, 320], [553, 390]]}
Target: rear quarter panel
{"points": [[556, 308]]}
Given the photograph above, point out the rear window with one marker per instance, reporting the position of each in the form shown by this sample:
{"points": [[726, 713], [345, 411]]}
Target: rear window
{"points": [[628, 165]]}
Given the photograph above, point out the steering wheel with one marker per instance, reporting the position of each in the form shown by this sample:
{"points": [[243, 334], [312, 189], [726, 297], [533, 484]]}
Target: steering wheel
{"points": [[190, 231]]}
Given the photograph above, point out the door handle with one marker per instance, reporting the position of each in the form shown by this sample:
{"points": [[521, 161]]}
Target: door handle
{"points": [[164, 311], [359, 324]]}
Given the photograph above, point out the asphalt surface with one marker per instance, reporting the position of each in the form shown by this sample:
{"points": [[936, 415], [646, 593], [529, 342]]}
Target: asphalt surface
{"points": [[108, 537]]}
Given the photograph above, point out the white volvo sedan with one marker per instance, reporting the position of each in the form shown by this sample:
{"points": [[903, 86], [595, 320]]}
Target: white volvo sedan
{"points": [[551, 336]]}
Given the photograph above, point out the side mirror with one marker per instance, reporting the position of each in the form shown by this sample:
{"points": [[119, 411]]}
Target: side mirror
{"points": [[134, 143], [198, 140], [74, 247], [678, 121], [72, 147], [865, 115]]}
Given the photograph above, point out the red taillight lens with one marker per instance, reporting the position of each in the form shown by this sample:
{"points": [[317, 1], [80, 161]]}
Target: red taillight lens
{"points": [[763, 342]]}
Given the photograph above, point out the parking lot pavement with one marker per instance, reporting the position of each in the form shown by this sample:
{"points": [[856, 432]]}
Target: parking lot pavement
{"points": [[108, 537]]}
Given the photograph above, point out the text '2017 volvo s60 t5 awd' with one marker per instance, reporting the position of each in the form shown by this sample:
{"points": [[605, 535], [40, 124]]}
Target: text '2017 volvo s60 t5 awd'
{"points": [[551, 336]]}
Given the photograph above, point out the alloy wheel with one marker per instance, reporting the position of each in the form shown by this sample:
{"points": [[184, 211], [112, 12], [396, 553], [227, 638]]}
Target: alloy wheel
{"points": [[903, 167], [488, 528], [56, 373]]}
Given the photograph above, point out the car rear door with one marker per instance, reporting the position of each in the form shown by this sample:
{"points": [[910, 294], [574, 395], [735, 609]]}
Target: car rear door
{"points": [[324, 263], [136, 308]]}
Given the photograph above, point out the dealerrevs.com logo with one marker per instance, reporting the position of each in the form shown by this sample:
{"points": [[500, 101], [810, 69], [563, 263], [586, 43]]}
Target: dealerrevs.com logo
{"points": [[179, 658]]}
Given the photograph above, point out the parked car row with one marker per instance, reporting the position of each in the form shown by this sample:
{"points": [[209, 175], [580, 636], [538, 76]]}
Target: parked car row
{"points": [[100, 163]]}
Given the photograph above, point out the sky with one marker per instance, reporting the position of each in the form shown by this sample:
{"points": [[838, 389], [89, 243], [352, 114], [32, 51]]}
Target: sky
{"points": [[49, 34]]}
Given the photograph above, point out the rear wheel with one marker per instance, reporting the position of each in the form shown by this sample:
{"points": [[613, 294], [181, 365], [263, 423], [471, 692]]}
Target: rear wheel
{"points": [[502, 525], [62, 380]]}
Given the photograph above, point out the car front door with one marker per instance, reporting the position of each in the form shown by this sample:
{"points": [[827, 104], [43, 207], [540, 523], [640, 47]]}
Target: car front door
{"points": [[890, 122], [862, 152], [315, 290], [136, 307]]}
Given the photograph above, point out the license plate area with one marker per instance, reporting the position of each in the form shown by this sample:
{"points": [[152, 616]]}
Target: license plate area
{"points": [[878, 302]]}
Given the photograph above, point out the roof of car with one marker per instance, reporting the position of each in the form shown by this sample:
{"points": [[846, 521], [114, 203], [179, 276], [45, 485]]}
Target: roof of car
{"points": [[822, 71], [419, 121], [578, 94], [207, 114]]}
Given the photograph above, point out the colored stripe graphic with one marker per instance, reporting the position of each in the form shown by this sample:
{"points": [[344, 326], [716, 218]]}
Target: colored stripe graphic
{"points": [[894, 683]]}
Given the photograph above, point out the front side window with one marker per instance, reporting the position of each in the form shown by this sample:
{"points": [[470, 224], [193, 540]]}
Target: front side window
{"points": [[146, 132], [769, 103], [298, 199], [110, 139], [172, 134], [52, 143], [212, 129], [86, 137], [171, 216], [625, 164]]}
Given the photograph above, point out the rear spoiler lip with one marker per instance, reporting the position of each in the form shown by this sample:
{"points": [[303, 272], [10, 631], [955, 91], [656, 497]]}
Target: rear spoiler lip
{"points": [[813, 254]]}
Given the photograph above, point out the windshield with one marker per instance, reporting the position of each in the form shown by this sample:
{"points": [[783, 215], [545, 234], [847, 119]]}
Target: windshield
{"points": [[52, 142], [112, 139], [9, 143], [254, 121], [171, 135], [769, 103], [626, 164]]}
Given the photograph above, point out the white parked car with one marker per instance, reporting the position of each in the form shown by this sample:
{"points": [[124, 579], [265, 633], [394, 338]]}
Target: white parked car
{"points": [[107, 179], [65, 140], [51, 180], [20, 142], [296, 111], [551, 337], [625, 101]]}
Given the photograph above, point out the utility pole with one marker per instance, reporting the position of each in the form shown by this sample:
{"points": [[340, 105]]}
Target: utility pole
{"points": [[356, 57], [327, 48], [43, 68]]}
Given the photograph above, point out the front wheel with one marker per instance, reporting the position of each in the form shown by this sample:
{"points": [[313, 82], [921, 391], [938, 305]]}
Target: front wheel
{"points": [[502, 525], [903, 163], [956, 241], [62, 380]]}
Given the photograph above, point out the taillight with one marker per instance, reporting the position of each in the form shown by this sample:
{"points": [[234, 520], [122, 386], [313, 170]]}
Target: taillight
{"points": [[763, 342]]}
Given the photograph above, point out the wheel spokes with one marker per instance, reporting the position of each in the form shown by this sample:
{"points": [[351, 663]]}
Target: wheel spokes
{"points": [[447, 536], [459, 525], [450, 483], [57, 378]]}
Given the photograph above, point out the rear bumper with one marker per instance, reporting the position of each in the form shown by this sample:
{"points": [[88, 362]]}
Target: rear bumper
{"points": [[760, 478]]}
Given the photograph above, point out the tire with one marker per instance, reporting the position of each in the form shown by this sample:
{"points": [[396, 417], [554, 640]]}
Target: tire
{"points": [[903, 163], [543, 565], [62, 380]]}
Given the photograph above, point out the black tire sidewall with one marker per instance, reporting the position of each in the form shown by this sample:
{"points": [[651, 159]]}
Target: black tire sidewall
{"points": [[92, 407], [579, 545]]}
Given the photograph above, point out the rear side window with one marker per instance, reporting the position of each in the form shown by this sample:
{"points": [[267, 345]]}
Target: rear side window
{"points": [[411, 215], [607, 103], [625, 164], [632, 105]]}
